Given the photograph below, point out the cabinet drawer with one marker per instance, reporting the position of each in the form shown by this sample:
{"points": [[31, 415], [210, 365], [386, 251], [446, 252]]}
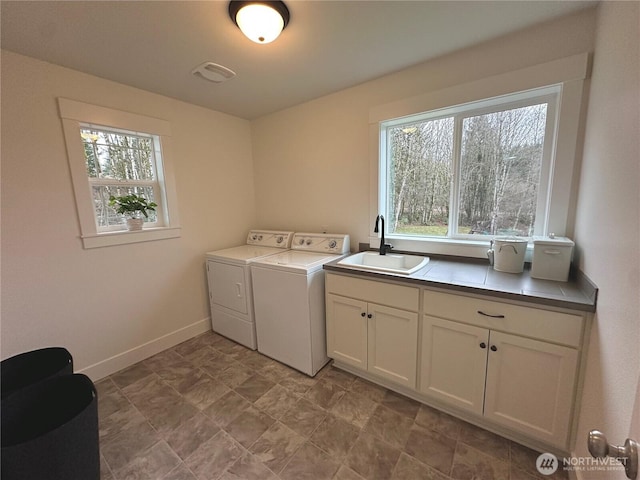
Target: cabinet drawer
{"points": [[546, 325], [406, 298]]}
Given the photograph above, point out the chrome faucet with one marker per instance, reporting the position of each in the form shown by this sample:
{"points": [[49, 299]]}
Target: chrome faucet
{"points": [[384, 247]]}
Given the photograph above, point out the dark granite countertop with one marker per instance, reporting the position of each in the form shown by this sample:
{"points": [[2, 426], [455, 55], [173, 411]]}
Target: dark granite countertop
{"points": [[473, 276]]}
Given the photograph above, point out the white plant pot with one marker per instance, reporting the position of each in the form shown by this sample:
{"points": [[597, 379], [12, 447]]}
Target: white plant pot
{"points": [[134, 224]]}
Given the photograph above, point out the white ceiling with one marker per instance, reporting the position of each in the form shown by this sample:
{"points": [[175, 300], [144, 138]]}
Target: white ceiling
{"points": [[328, 45]]}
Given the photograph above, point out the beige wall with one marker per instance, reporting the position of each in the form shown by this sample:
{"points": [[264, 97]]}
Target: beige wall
{"points": [[118, 301], [312, 160], [608, 226]]}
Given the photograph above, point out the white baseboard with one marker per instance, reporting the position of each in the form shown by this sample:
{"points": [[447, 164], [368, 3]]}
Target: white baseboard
{"points": [[125, 359]]}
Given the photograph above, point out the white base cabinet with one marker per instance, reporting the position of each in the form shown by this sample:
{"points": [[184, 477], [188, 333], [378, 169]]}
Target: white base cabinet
{"points": [[347, 330], [376, 337], [454, 363], [379, 339], [523, 384], [392, 344], [511, 367], [530, 386]]}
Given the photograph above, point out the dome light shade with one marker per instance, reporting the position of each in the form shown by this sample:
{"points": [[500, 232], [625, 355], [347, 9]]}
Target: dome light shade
{"points": [[260, 21]]}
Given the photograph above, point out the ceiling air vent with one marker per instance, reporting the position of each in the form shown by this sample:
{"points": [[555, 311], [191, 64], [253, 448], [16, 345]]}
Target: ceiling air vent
{"points": [[213, 72]]}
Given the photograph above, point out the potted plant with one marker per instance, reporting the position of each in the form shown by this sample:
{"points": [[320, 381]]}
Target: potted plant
{"points": [[132, 207]]}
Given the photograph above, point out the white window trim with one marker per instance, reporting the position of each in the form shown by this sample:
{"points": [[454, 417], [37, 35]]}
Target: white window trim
{"points": [[569, 72], [73, 114]]}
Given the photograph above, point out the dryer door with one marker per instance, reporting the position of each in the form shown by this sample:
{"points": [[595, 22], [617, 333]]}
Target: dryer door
{"points": [[227, 286]]}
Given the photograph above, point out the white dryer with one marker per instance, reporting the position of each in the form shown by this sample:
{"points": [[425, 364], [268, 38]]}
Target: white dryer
{"points": [[288, 291], [229, 276]]}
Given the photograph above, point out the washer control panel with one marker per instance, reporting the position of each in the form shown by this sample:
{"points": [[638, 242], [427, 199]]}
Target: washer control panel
{"points": [[270, 238], [336, 243]]}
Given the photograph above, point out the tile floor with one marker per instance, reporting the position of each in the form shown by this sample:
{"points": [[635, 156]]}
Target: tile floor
{"points": [[211, 409]]}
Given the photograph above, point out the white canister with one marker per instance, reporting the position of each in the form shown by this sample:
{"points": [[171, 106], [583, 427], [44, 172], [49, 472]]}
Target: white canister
{"points": [[508, 254], [551, 258]]}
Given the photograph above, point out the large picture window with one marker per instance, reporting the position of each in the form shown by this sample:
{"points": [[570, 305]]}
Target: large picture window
{"points": [[469, 171], [454, 167]]}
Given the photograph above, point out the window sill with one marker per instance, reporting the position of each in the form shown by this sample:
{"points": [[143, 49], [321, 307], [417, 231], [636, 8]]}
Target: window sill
{"points": [[441, 246], [108, 239]]}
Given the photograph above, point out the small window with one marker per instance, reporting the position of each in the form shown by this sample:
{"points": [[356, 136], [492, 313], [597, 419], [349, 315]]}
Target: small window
{"points": [[121, 163], [469, 171], [114, 153]]}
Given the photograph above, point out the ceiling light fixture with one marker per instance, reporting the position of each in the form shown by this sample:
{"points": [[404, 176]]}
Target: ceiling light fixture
{"points": [[260, 21]]}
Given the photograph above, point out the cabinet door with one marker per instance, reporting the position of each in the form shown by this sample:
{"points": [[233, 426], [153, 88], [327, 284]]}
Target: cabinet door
{"points": [[454, 358], [393, 344], [347, 330], [530, 386]]}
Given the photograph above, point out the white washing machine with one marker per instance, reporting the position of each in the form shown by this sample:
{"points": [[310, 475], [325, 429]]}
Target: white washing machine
{"points": [[229, 276], [288, 291]]}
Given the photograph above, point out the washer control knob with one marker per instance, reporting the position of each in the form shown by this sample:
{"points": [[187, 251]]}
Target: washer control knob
{"points": [[301, 241], [308, 241], [333, 244], [279, 239]]}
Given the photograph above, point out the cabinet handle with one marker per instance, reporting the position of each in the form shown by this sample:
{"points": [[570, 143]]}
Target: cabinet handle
{"points": [[489, 315], [483, 345], [370, 315], [363, 314], [494, 348]]}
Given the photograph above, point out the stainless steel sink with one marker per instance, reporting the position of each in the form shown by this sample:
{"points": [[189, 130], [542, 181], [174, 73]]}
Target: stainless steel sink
{"points": [[391, 263]]}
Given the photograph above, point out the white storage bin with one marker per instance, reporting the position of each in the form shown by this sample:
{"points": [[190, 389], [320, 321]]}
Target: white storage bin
{"points": [[551, 258], [508, 254]]}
